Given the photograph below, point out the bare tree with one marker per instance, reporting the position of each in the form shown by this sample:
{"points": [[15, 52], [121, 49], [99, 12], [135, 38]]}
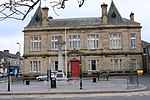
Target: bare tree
{"points": [[19, 9]]}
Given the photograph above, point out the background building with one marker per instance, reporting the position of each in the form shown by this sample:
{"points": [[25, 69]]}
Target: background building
{"points": [[13, 60], [109, 43], [146, 57]]}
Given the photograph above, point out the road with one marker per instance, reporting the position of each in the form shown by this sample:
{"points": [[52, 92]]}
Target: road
{"points": [[142, 95], [110, 96], [145, 80]]}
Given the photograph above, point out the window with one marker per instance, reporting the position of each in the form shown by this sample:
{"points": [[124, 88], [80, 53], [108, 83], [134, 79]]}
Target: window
{"points": [[115, 41], [93, 64], [133, 41], [74, 41], [113, 15], [35, 43], [134, 65], [35, 66], [116, 64], [92, 41], [54, 45]]}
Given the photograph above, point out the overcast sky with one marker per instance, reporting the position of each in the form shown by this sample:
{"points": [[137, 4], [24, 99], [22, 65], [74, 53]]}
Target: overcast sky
{"points": [[11, 30]]}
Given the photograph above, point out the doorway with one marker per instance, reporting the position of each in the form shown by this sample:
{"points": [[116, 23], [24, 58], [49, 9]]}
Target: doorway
{"points": [[75, 68]]}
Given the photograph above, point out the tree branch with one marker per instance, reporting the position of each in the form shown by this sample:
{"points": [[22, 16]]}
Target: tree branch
{"points": [[13, 8]]}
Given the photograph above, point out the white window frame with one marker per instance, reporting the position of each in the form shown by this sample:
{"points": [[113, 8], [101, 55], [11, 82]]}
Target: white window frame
{"points": [[74, 42], [117, 64], [115, 41], [35, 66], [90, 65], [134, 64], [35, 43], [92, 41], [54, 45], [133, 40]]}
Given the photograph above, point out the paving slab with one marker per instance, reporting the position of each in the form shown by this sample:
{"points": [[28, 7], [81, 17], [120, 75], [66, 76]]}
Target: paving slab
{"points": [[113, 85]]}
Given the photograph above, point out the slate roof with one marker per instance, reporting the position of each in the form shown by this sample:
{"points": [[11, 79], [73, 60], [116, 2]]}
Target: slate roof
{"points": [[36, 20], [114, 18], [7, 55], [75, 22], [145, 43]]}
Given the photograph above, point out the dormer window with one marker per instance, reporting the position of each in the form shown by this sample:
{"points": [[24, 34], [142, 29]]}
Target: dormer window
{"points": [[113, 15], [37, 18]]}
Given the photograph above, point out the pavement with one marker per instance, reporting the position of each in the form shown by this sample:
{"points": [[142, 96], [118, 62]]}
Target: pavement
{"points": [[113, 85]]}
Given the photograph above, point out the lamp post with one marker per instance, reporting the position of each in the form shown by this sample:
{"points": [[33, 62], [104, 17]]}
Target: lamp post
{"points": [[80, 71], [19, 52], [49, 73], [8, 76], [148, 57]]}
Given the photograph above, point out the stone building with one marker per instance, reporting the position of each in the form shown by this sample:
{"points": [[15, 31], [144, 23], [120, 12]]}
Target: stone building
{"points": [[146, 57], [109, 43], [12, 61]]}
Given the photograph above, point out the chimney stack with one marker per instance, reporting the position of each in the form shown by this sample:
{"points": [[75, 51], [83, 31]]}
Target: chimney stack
{"points": [[6, 51], [45, 17], [104, 13], [132, 16]]}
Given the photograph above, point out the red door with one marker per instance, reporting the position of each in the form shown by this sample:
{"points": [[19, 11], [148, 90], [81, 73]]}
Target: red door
{"points": [[75, 68]]}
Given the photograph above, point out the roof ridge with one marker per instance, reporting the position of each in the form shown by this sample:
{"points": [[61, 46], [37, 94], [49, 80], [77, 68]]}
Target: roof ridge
{"points": [[75, 18]]}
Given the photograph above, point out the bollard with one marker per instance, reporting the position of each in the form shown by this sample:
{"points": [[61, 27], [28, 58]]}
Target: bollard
{"points": [[53, 82], [27, 82], [94, 80], [98, 75]]}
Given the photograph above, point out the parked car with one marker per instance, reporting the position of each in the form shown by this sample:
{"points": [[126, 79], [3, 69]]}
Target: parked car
{"points": [[5, 74], [1, 75], [44, 77]]}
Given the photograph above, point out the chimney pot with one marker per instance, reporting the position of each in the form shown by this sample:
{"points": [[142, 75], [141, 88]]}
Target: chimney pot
{"points": [[132, 16]]}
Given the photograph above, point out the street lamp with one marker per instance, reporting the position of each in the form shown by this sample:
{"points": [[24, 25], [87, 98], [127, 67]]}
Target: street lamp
{"points": [[81, 70], [49, 72], [8, 76], [19, 46], [19, 53]]}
